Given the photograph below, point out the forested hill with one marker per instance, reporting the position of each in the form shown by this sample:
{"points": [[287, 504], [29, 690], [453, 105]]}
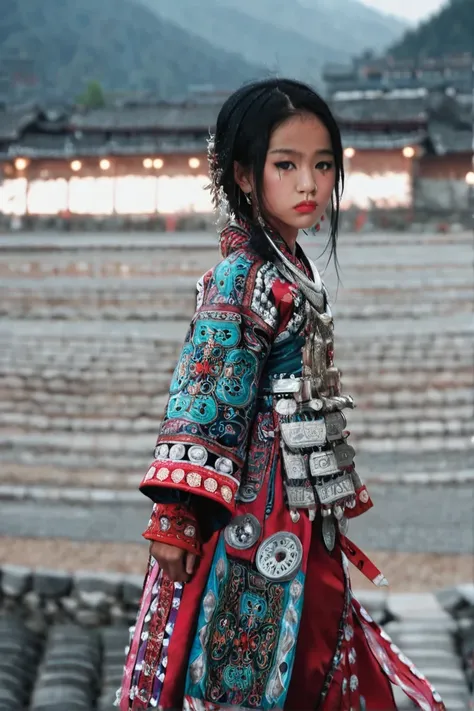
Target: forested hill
{"points": [[119, 43], [451, 31]]}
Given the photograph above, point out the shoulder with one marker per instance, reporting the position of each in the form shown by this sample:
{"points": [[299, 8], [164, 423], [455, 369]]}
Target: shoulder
{"points": [[243, 281]]}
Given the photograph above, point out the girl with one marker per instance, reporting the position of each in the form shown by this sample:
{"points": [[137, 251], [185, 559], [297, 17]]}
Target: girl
{"points": [[247, 601]]}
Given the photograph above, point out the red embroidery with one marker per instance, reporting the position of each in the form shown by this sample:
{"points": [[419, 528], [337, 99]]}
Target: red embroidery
{"points": [[175, 525], [155, 640]]}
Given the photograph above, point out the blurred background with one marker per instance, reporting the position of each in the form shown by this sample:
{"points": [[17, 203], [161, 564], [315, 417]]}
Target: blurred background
{"points": [[105, 226]]}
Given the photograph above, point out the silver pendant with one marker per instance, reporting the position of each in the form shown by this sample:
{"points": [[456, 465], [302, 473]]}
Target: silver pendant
{"points": [[343, 525], [279, 557], [243, 532], [315, 404], [286, 407], [323, 464], [335, 425], [329, 533], [295, 515], [335, 489], [344, 454], [298, 435]]}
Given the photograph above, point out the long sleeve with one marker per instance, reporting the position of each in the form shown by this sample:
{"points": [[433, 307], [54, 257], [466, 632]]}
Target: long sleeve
{"points": [[203, 441]]}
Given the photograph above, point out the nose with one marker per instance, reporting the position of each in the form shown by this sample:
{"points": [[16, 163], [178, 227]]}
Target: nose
{"points": [[307, 183]]}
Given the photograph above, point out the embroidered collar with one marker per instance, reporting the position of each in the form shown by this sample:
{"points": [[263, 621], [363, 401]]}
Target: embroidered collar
{"points": [[238, 234]]}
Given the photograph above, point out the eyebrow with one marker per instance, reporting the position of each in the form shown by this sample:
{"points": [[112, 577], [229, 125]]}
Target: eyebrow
{"points": [[291, 151]]}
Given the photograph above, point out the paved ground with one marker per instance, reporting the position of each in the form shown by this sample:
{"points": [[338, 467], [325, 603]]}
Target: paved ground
{"points": [[431, 519]]}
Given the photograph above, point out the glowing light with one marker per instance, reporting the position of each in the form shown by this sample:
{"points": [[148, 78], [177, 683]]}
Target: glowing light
{"points": [[76, 165], [349, 152], [382, 190], [158, 163], [148, 163], [194, 162], [470, 178], [91, 196], [13, 196], [408, 152], [183, 194], [104, 164], [47, 197], [21, 163]]}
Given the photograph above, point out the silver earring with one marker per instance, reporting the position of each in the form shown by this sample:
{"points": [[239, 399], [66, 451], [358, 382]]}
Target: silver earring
{"points": [[248, 197]]}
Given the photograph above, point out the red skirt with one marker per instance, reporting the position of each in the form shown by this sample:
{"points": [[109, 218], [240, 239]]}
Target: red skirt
{"points": [[343, 660]]}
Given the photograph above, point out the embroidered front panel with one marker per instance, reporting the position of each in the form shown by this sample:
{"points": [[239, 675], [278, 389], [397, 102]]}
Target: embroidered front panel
{"points": [[244, 647]]}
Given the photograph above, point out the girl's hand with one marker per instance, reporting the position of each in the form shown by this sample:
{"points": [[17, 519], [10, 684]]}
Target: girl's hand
{"points": [[175, 562]]}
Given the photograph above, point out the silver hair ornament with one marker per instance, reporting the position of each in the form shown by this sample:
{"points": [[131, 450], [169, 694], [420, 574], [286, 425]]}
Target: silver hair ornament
{"points": [[218, 195]]}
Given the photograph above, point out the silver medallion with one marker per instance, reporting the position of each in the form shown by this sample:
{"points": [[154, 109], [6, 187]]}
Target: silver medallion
{"points": [[223, 465], [286, 407], [335, 425], [243, 532], [285, 386], [197, 455], [279, 557], [297, 435], [344, 454], [335, 489], [162, 451], [315, 404], [177, 452], [329, 533], [323, 464]]}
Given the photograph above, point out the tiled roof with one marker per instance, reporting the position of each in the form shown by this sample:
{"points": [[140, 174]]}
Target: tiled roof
{"points": [[161, 117], [381, 110], [14, 121], [63, 637]]}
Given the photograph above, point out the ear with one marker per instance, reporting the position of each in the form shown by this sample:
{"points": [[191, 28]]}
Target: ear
{"points": [[243, 178]]}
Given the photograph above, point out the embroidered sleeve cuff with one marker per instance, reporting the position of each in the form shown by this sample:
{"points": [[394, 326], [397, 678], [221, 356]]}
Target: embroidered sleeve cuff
{"points": [[217, 481], [176, 525]]}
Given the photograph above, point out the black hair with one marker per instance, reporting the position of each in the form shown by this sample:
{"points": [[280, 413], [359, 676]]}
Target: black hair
{"points": [[244, 127]]}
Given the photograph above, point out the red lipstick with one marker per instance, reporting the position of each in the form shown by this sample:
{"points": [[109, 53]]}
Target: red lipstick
{"points": [[306, 207]]}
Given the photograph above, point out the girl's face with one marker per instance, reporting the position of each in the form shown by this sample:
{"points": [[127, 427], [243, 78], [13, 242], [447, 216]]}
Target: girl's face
{"points": [[299, 175]]}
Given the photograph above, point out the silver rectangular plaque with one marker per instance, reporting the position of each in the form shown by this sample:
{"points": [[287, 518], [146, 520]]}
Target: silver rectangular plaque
{"points": [[298, 435], [295, 465], [282, 386], [323, 464], [336, 489], [300, 497]]}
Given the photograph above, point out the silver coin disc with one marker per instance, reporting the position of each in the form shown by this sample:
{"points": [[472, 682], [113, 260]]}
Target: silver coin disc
{"points": [[279, 557]]}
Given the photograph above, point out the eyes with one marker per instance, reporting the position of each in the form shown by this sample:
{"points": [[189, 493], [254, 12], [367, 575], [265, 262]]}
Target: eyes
{"points": [[323, 165]]}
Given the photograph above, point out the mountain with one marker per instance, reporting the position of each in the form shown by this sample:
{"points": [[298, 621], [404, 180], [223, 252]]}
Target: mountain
{"points": [[279, 50], [450, 31], [116, 42], [293, 38]]}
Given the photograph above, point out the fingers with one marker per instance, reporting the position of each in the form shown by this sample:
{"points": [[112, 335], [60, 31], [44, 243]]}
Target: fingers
{"points": [[190, 563], [172, 560]]}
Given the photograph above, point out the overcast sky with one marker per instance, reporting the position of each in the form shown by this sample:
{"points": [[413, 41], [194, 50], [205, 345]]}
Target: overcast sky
{"points": [[413, 11]]}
